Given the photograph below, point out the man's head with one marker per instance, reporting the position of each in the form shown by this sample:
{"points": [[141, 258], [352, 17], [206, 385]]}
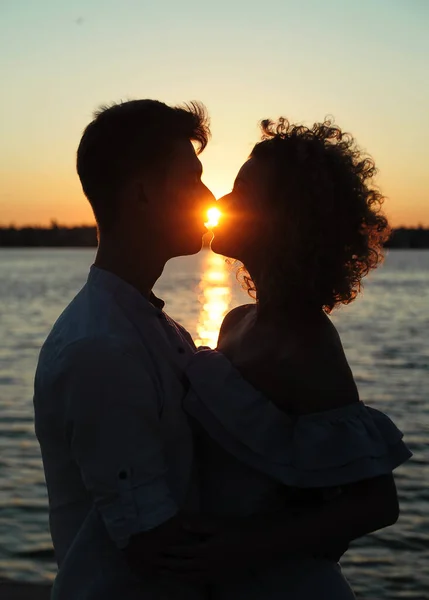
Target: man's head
{"points": [[140, 172]]}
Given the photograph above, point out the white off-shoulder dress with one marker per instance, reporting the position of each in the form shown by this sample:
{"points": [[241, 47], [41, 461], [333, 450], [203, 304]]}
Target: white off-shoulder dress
{"points": [[253, 452]]}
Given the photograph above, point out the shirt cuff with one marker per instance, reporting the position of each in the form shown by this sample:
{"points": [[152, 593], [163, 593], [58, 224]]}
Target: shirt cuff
{"points": [[137, 509]]}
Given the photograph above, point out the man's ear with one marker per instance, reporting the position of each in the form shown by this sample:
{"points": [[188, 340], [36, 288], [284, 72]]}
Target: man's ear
{"points": [[137, 191]]}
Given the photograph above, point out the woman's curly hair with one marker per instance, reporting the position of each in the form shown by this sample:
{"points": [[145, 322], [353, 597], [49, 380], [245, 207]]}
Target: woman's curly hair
{"points": [[323, 198]]}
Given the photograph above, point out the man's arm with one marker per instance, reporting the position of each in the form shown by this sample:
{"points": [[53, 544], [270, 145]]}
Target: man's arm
{"points": [[112, 424], [239, 544], [362, 508]]}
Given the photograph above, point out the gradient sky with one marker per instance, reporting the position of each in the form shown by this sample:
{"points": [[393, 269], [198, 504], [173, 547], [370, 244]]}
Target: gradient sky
{"points": [[363, 61]]}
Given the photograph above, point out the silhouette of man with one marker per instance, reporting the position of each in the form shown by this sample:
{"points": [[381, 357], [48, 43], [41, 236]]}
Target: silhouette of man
{"points": [[116, 444]]}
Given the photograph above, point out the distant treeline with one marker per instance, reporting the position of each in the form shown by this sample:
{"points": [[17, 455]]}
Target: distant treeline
{"points": [[405, 237], [71, 237], [53, 237]]}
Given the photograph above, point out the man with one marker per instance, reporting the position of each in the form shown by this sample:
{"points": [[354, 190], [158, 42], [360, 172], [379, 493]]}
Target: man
{"points": [[116, 445]]}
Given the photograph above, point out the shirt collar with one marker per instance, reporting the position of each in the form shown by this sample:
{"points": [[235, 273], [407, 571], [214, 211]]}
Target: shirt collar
{"points": [[117, 286]]}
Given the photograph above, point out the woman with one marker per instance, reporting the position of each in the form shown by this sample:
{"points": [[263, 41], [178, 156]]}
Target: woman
{"points": [[278, 394]]}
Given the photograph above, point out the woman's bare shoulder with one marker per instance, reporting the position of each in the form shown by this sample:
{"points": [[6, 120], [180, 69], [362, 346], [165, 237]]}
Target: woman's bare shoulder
{"points": [[315, 373], [234, 317]]}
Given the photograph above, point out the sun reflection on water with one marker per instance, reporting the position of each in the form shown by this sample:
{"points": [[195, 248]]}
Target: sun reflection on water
{"points": [[215, 299]]}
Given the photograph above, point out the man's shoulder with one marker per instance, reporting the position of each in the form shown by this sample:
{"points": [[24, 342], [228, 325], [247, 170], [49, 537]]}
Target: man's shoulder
{"points": [[89, 324], [100, 341], [183, 332]]}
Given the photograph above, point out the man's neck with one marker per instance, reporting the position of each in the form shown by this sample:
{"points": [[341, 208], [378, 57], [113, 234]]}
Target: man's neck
{"points": [[132, 262]]}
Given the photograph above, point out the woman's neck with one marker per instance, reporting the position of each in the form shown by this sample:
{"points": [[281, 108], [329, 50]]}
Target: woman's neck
{"points": [[275, 299]]}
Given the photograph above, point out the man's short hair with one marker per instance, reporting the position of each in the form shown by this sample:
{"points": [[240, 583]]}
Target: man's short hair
{"points": [[127, 138]]}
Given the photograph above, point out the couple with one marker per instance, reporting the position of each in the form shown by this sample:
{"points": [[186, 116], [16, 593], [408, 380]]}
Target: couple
{"points": [[236, 473]]}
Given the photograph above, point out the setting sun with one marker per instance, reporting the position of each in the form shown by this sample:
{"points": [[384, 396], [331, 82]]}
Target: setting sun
{"points": [[213, 216]]}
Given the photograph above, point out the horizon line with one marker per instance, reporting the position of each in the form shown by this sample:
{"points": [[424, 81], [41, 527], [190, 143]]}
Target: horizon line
{"points": [[56, 225]]}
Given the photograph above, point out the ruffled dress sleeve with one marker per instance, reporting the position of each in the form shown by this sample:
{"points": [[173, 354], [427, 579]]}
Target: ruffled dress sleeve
{"points": [[324, 449]]}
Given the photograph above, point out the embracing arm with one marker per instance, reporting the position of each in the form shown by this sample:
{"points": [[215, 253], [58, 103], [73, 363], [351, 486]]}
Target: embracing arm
{"points": [[360, 509], [320, 531], [297, 451], [236, 544]]}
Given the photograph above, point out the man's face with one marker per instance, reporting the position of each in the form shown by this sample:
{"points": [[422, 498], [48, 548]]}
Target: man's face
{"points": [[180, 201]]}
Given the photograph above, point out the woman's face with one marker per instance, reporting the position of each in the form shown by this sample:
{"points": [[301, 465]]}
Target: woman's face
{"points": [[245, 213]]}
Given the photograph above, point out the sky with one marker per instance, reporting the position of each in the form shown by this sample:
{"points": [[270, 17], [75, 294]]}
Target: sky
{"points": [[364, 62]]}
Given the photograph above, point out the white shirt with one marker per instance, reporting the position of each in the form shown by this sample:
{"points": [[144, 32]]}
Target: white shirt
{"points": [[115, 441]]}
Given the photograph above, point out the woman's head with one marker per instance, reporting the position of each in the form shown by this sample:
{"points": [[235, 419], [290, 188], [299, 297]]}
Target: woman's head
{"points": [[304, 216]]}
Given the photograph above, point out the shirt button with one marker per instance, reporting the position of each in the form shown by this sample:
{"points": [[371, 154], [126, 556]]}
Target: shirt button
{"points": [[181, 350]]}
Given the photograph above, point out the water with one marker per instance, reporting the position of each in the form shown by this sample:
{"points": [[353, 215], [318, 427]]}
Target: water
{"points": [[385, 334]]}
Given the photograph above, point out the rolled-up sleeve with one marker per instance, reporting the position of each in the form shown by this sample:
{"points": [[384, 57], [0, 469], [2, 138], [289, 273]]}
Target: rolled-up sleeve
{"points": [[113, 427]]}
